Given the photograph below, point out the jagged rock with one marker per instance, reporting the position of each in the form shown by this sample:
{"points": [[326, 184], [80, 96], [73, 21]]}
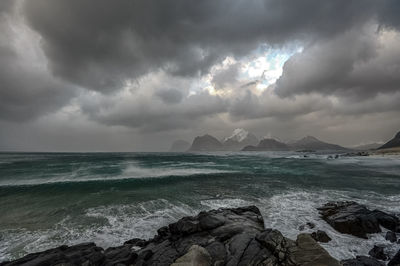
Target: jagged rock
{"points": [[391, 236], [355, 219], [196, 256], [395, 261], [120, 255], [85, 253], [362, 261], [378, 253], [308, 224], [321, 236], [309, 252], [136, 242]]}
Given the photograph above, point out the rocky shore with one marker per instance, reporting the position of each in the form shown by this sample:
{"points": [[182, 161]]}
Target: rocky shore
{"points": [[233, 236]]}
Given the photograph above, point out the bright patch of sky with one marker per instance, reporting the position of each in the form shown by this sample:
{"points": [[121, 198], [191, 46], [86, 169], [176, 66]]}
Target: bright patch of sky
{"points": [[262, 68], [265, 64]]}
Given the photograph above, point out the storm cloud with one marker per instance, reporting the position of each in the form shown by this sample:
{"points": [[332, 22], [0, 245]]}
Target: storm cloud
{"points": [[182, 68]]}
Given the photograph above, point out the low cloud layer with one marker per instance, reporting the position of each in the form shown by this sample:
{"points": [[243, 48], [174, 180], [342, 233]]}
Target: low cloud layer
{"points": [[134, 71]]}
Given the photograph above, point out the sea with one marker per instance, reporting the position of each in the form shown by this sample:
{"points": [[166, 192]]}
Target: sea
{"points": [[51, 199]]}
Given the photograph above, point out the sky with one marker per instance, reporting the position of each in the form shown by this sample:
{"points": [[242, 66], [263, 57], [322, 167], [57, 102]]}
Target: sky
{"points": [[129, 75]]}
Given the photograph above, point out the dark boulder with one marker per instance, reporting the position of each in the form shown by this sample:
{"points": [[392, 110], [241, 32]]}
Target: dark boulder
{"points": [[378, 252], [355, 219], [308, 225], [86, 253], [362, 261], [321, 236], [395, 261], [391, 236]]}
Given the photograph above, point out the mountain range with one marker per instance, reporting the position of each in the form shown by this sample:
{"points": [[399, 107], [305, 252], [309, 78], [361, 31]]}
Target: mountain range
{"points": [[246, 141], [242, 140]]}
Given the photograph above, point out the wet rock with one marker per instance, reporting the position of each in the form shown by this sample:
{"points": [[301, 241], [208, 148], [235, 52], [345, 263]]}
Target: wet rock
{"points": [[86, 253], [218, 237], [120, 255], [136, 242], [196, 255], [224, 233], [395, 261], [391, 236], [309, 252], [362, 261], [217, 252], [355, 219], [208, 221], [321, 236], [307, 225], [378, 253]]}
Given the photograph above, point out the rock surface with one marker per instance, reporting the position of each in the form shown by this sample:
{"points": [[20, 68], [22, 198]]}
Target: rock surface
{"points": [[378, 253], [196, 256], [362, 261], [391, 236], [356, 219], [217, 237], [395, 261], [321, 236]]}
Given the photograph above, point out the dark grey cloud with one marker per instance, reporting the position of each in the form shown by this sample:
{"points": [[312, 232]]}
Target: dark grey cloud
{"points": [[358, 64], [137, 69], [99, 44], [170, 96], [388, 13], [146, 115], [27, 90]]}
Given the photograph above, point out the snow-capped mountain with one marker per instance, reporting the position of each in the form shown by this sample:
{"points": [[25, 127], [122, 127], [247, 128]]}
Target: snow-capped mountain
{"points": [[239, 139]]}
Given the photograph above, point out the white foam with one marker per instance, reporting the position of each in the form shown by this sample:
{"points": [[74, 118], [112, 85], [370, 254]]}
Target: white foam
{"points": [[132, 171], [122, 222], [288, 211], [135, 171]]}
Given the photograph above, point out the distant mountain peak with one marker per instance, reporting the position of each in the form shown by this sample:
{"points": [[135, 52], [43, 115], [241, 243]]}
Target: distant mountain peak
{"points": [[310, 138], [312, 143], [267, 144], [206, 143], [239, 134], [393, 143], [239, 139]]}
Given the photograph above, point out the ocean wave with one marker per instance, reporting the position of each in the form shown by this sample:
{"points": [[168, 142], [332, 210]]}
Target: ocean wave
{"points": [[120, 223], [130, 172], [112, 225]]}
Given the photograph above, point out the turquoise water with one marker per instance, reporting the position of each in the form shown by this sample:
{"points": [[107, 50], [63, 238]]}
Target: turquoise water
{"points": [[49, 199]]}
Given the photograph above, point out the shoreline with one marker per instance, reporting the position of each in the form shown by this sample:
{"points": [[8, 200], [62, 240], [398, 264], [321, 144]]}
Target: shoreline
{"points": [[224, 237]]}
